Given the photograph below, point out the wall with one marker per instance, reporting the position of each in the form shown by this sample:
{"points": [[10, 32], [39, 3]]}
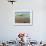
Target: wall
{"points": [[9, 31]]}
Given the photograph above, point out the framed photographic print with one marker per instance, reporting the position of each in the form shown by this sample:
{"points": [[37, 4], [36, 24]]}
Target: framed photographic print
{"points": [[23, 18]]}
